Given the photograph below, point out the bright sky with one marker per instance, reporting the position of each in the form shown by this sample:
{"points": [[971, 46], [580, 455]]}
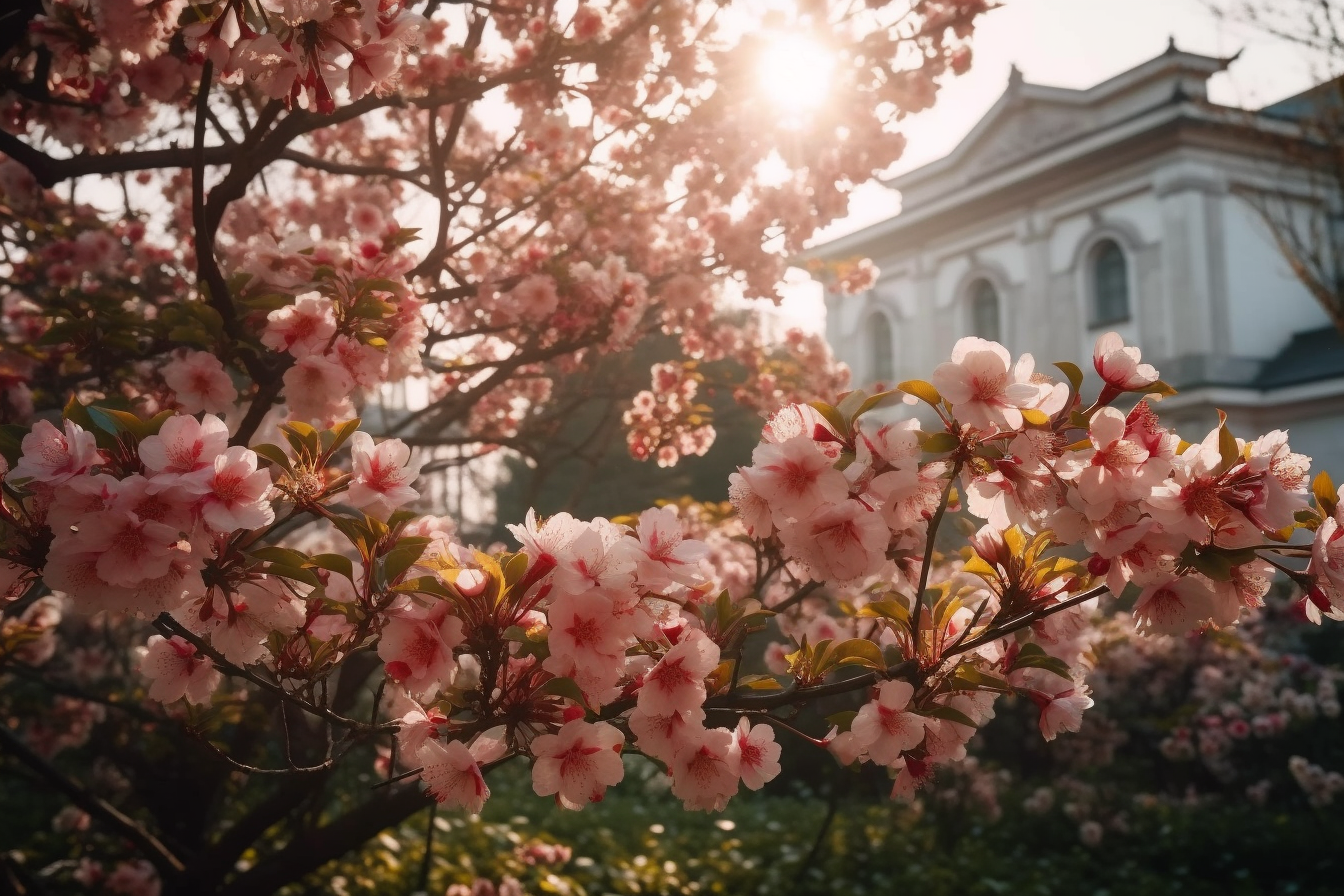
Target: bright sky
{"points": [[1071, 43]]}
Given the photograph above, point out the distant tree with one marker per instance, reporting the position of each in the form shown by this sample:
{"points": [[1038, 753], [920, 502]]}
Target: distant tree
{"points": [[1309, 229]]}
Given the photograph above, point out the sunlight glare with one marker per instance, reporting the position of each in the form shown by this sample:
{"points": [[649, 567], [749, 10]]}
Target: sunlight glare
{"points": [[794, 71]]}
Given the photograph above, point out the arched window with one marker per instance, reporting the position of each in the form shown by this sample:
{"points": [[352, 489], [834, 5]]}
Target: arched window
{"points": [[1110, 284], [985, 311], [881, 349]]}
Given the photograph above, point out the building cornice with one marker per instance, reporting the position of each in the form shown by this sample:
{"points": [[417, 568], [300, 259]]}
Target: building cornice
{"points": [[1158, 131]]}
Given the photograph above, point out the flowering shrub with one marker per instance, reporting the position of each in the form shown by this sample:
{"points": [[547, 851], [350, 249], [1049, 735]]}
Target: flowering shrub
{"points": [[223, 614]]}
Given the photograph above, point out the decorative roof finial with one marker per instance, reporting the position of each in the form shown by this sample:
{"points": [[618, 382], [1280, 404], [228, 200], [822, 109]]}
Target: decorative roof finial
{"points": [[1014, 76], [1171, 44]]}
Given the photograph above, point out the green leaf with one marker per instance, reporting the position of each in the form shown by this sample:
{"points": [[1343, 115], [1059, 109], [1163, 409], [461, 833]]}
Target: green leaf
{"points": [[515, 568], [1034, 657], [1227, 444], [336, 563], [939, 711], [426, 585], [857, 652], [1327, 497], [873, 401], [761, 683], [396, 561], [894, 610], [921, 390], [567, 688], [939, 442], [276, 455], [114, 422], [1072, 373], [356, 532], [332, 439], [11, 442], [842, 720], [976, 679], [302, 438], [1035, 417], [849, 406]]}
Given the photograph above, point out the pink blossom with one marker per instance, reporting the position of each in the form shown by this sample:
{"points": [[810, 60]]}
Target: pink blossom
{"points": [[237, 493], [669, 558], [1062, 711], [317, 388], [238, 628], [1118, 365], [578, 764], [417, 645], [304, 328], [587, 640], [452, 770], [660, 737], [840, 543], [547, 537], [884, 728], [751, 508], [175, 670], [1282, 489], [53, 456], [200, 383], [600, 557], [184, 450], [705, 769], [676, 683], [136, 877], [381, 477], [534, 299], [758, 754], [985, 389], [129, 549], [1175, 606], [794, 478], [1327, 562]]}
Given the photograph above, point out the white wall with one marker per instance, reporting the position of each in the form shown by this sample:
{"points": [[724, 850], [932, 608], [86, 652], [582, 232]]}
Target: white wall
{"points": [[1267, 304]]}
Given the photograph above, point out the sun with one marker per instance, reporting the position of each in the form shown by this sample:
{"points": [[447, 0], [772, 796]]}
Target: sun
{"points": [[794, 71]]}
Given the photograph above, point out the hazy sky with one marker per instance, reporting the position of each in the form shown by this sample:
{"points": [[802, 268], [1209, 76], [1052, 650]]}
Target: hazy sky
{"points": [[1076, 43]]}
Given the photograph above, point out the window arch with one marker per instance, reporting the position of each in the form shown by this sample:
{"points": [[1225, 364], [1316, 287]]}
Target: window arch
{"points": [[1108, 274], [881, 348], [985, 318]]}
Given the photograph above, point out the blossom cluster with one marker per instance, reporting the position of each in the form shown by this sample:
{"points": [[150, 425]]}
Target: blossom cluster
{"points": [[601, 634]]}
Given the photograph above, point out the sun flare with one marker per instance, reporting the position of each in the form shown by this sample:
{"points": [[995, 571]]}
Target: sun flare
{"points": [[794, 71]]}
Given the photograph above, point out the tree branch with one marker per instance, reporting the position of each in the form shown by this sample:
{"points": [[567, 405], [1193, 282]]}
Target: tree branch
{"points": [[153, 849]]}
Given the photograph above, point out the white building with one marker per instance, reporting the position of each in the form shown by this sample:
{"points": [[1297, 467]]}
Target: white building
{"points": [[1066, 213]]}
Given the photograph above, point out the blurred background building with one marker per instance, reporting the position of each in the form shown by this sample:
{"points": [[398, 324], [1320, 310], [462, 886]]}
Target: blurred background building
{"points": [[1136, 205]]}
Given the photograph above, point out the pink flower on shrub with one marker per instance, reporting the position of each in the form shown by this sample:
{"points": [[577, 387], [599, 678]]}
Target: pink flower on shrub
{"points": [[758, 754], [175, 670], [676, 683], [200, 383], [705, 769], [381, 477], [984, 387], [417, 645], [452, 770], [578, 764], [54, 456], [1118, 365], [884, 728], [237, 492]]}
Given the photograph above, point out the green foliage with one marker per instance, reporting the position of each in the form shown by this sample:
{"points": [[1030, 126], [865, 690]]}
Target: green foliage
{"points": [[641, 842]]}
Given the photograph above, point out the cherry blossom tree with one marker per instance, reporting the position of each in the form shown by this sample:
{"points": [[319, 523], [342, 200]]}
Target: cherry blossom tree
{"points": [[263, 655]]}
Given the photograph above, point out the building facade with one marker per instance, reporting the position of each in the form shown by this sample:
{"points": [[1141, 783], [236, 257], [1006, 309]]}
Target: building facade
{"points": [[1128, 206]]}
